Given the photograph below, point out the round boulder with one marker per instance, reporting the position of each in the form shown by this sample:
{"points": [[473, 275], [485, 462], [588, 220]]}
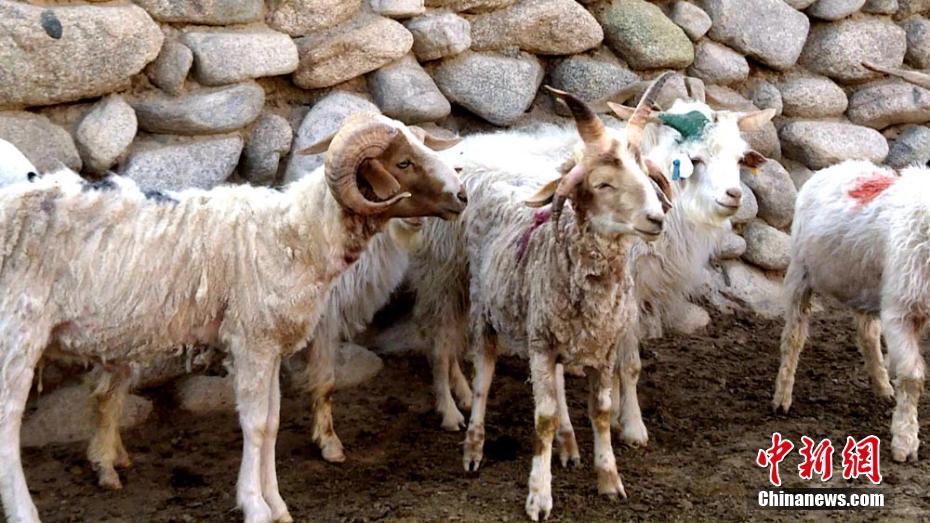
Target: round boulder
{"points": [[819, 144], [640, 33], [548, 27]]}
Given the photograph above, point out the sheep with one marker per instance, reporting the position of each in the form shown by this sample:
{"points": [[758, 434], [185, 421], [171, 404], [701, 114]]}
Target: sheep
{"points": [[238, 267], [14, 166], [558, 293], [877, 225]]}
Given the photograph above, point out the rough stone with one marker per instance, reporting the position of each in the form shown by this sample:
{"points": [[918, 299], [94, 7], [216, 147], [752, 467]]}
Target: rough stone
{"points": [[800, 5], [168, 163], [691, 19], [718, 64], [907, 8], [439, 34], [323, 120], [767, 30], [303, 17], [206, 394], [838, 49], [774, 191], [349, 50], [257, 52], [208, 12], [496, 87], [911, 148], [730, 247], [170, 68], [748, 206], [404, 91], [764, 95], [917, 32], [798, 171], [834, 9], [812, 97], [766, 246], [45, 144], [205, 111], [748, 289], [822, 144], [98, 51], [880, 7], [896, 102], [590, 79], [640, 33], [471, 6], [398, 8], [355, 365], [270, 138], [68, 415], [548, 27], [105, 133]]}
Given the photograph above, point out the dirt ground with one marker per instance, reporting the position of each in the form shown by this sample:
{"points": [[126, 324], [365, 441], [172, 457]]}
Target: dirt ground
{"points": [[706, 404]]}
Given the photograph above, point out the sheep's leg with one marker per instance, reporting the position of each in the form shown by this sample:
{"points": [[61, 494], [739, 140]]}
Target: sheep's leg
{"points": [[460, 386], [269, 474], [627, 416], [485, 360], [565, 437], [106, 451], [902, 333], [794, 334], [253, 378], [868, 338], [599, 393], [543, 372], [322, 377], [445, 347]]}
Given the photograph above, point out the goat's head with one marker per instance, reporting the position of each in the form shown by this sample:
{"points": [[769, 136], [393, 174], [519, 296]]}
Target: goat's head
{"points": [[703, 150], [376, 165], [608, 180]]}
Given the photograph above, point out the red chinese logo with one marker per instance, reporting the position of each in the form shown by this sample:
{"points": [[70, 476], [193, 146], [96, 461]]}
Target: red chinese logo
{"points": [[817, 460], [774, 455], [860, 458]]}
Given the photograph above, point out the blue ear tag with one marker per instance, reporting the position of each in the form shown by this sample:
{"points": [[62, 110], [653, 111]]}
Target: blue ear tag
{"points": [[676, 170]]}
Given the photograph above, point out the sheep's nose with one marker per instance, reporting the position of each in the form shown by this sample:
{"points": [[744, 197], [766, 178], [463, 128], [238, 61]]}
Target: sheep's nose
{"points": [[462, 196], [458, 170], [735, 193], [655, 218]]}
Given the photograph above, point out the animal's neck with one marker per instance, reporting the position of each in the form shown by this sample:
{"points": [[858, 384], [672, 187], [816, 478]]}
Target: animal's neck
{"points": [[594, 259]]}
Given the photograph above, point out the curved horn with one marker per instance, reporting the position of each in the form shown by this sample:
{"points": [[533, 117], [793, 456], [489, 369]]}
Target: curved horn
{"points": [[568, 183], [590, 127], [917, 78], [360, 138], [637, 123]]}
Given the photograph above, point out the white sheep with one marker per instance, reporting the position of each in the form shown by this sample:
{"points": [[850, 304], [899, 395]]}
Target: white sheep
{"points": [[14, 166], [103, 271]]}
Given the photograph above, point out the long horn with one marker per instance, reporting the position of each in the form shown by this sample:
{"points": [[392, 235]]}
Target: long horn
{"points": [[590, 127], [637, 123], [567, 184], [917, 78], [360, 138]]}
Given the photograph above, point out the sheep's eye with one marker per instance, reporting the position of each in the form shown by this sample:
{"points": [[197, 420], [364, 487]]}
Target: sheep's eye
{"points": [[604, 186], [404, 164]]}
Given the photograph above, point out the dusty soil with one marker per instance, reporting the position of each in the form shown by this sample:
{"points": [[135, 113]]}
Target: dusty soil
{"points": [[706, 404]]}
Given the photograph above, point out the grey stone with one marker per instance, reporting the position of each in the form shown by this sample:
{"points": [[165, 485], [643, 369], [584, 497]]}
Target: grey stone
{"points": [[323, 120], [767, 30], [208, 12], [170, 163], [907, 8], [398, 8], [834, 9], [471, 6], [170, 68], [730, 246], [691, 19], [355, 365], [68, 415], [352, 49], [911, 148], [821, 144], [718, 64], [496, 87], [747, 289], [270, 138], [774, 192], [590, 79], [800, 5], [798, 171], [98, 51], [105, 133], [45, 144], [764, 95], [257, 52], [880, 7], [404, 91], [881, 105], [206, 394], [205, 111], [549, 27], [303, 17], [838, 49], [439, 34], [766, 246], [918, 42], [812, 97], [640, 33], [748, 206]]}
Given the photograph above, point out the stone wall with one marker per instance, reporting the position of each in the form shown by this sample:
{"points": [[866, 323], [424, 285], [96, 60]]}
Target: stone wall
{"points": [[193, 93]]}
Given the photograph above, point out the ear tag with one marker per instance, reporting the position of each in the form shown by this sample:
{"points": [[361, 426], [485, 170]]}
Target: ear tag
{"points": [[682, 168], [676, 170]]}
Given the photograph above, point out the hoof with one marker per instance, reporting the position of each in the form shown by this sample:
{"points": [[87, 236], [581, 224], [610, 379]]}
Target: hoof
{"points": [[453, 421], [109, 480], [634, 434], [333, 453], [538, 506]]}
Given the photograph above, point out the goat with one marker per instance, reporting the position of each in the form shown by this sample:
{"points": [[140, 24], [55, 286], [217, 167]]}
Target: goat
{"points": [[14, 166]]}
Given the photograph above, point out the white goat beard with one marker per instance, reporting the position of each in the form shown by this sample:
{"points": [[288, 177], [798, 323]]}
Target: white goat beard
{"points": [[609, 228], [708, 213]]}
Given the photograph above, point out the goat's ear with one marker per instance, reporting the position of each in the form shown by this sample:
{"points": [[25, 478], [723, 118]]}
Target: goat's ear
{"points": [[381, 181], [661, 183], [753, 159], [432, 141], [319, 147], [753, 121], [623, 112], [544, 195]]}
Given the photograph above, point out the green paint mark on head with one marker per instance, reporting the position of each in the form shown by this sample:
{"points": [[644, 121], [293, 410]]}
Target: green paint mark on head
{"points": [[690, 125]]}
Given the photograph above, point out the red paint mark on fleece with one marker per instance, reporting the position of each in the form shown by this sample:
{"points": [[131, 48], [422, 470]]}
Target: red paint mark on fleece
{"points": [[867, 188], [539, 218]]}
